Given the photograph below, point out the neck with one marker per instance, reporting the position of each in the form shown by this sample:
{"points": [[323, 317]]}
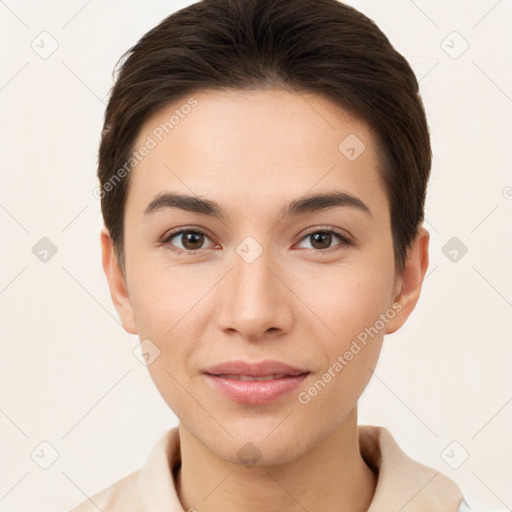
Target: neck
{"points": [[331, 476]]}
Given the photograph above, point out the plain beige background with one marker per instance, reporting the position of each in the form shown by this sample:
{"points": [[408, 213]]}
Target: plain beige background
{"points": [[69, 376]]}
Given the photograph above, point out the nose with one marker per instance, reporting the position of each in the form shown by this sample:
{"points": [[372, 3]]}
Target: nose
{"points": [[255, 300]]}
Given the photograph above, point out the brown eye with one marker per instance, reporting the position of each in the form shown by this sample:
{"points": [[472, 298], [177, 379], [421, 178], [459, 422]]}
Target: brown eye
{"points": [[322, 239], [192, 241], [189, 240]]}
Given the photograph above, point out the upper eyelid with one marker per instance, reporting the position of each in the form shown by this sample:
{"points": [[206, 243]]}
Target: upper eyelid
{"points": [[337, 231], [171, 234]]}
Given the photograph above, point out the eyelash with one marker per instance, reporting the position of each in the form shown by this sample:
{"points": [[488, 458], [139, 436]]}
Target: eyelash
{"points": [[345, 241]]}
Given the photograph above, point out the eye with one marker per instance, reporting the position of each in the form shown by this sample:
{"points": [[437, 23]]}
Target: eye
{"points": [[322, 238], [191, 240]]}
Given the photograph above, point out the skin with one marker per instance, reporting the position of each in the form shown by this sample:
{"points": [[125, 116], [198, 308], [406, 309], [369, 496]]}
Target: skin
{"points": [[299, 302]]}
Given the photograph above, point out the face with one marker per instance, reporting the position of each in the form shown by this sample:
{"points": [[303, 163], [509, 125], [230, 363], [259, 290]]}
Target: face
{"points": [[247, 277]]}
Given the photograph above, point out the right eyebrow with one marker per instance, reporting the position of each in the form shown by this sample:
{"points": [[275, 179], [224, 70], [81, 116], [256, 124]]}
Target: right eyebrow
{"points": [[185, 202]]}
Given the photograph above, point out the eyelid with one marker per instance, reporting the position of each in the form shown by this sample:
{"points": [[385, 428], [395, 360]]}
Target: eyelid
{"points": [[346, 238], [169, 235], [342, 233]]}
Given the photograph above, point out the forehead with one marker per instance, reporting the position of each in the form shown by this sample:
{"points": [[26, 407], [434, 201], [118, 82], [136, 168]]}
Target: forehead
{"points": [[244, 141]]}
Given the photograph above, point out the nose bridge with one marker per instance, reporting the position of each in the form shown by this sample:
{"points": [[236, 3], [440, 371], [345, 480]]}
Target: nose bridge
{"points": [[253, 299]]}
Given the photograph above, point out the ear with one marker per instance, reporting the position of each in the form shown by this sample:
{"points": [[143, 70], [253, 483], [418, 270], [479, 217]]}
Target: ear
{"points": [[408, 286], [117, 283]]}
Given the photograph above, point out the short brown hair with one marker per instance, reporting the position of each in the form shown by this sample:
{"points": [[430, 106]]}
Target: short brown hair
{"points": [[319, 46]]}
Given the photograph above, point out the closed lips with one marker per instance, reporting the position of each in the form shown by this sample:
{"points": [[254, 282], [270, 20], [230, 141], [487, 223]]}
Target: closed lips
{"points": [[251, 377], [262, 370], [255, 383]]}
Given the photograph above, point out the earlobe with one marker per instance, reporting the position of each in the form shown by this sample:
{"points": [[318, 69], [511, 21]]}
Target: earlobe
{"points": [[117, 283], [411, 280]]}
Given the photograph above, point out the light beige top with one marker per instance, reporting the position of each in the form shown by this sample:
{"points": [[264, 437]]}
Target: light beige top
{"points": [[403, 484]]}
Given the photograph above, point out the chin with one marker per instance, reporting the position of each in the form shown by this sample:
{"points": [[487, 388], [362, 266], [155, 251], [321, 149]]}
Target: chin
{"points": [[260, 443]]}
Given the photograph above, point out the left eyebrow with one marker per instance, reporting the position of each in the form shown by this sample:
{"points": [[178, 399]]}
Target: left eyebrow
{"points": [[307, 204], [325, 201]]}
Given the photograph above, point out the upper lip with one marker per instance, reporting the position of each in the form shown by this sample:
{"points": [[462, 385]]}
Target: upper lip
{"points": [[257, 369]]}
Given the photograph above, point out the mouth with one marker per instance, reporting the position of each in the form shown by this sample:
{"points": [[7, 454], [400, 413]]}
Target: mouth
{"points": [[255, 383], [266, 368]]}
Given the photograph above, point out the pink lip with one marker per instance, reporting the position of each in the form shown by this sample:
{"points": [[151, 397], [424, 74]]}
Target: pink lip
{"points": [[255, 392]]}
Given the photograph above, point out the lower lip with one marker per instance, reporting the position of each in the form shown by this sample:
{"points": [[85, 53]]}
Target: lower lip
{"points": [[255, 392]]}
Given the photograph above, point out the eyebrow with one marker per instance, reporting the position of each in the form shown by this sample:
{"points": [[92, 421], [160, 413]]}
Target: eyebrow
{"points": [[306, 204]]}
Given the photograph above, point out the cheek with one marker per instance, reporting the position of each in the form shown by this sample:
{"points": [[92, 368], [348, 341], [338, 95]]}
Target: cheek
{"points": [[162, 298], [356, 307], [170, 310], [353, 309], [166, 313], [349, 302]]}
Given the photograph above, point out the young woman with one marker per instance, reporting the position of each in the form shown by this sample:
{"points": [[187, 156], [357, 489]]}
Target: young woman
{"points": [[263, 169]]}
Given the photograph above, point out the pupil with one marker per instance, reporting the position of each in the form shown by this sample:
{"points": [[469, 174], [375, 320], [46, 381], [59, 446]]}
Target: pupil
{"points": [[322, 235], [189, 239]]}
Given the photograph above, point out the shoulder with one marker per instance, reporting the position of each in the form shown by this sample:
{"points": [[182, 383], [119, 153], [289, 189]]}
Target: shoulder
{"points": [[150, 488], [464, 507], [122, 496], [404, 480]]}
